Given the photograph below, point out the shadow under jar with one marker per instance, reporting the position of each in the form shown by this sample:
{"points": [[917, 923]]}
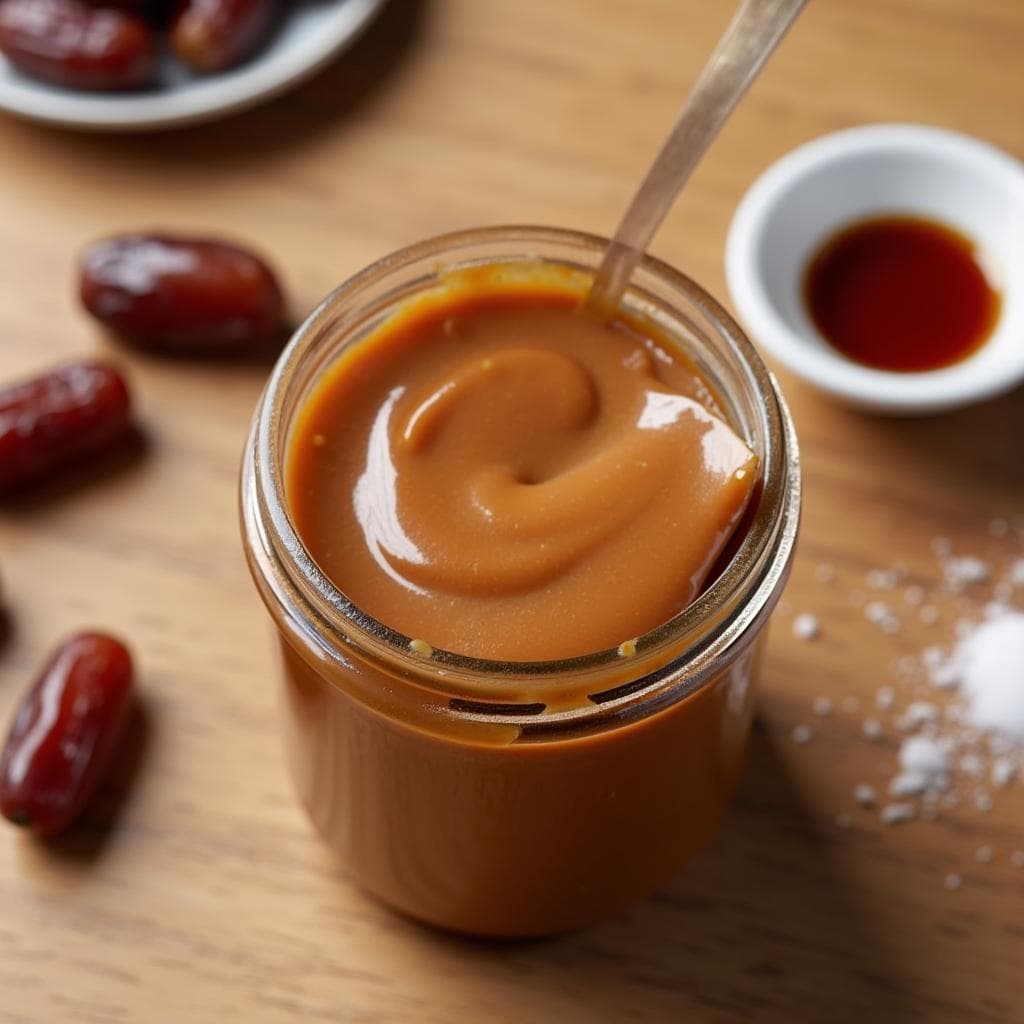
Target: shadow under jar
{"points": [[518, 798]]}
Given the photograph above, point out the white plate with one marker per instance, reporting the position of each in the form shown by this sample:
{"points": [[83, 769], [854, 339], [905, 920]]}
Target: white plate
{"points": [[310, 36]]}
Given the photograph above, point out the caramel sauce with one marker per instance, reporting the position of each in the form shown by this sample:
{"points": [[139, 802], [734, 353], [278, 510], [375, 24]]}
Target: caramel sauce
{"points": [[499, 474], [901, 293]]}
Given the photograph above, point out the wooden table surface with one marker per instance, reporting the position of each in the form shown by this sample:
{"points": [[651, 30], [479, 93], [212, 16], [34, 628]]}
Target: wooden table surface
{"points": [[197, 890]]}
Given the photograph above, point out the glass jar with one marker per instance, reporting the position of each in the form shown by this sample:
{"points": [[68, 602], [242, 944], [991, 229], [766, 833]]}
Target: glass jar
{"points": [[501, 798]]}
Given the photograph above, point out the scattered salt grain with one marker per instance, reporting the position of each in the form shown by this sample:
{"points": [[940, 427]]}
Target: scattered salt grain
{"points": [[924, 765], [825, 573], [984, 854], [802, 734], [964, 571], [885, 698], [806, 626], [1016, 574], [1003, 772], [917, 714], [876, 611], [882, 579], [1017, 858], [872, 729], [972, 766], [865, 795], [822, 707], [953, 881], [896, 814], [983, 802]]}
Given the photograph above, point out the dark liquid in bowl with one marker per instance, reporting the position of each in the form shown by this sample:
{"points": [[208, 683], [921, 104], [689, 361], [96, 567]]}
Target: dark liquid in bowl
{"points": [[901, 293]]}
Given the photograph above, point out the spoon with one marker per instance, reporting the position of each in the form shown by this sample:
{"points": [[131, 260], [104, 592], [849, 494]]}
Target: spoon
{"points": [[755, 30]]}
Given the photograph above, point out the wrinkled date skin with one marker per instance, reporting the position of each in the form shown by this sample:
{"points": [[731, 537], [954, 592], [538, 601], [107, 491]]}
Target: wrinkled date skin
{"points": [[72, 44], [50, 423], [181, 295], [65, 733], [212, 35]]}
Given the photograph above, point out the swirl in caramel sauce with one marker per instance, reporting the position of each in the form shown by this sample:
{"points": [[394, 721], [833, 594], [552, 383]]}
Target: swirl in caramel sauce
{"points": [[497, 473]]}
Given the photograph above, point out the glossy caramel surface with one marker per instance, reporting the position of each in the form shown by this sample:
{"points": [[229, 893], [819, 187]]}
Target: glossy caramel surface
{"points": [[496, 472]]}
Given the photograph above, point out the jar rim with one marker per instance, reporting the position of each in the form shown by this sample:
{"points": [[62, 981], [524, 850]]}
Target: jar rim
{"points": [[698, 632]]}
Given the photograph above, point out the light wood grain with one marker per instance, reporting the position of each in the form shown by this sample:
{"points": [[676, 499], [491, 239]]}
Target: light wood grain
{"points": [[199, 892]]}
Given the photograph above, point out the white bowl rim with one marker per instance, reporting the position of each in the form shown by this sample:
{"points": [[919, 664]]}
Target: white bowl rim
{"points": [[265, 76], [828, 370]]}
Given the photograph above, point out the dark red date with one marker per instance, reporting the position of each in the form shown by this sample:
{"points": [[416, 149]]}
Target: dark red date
{"points": [[69, 43], [181, 295], [65, 733], [50, 423], [211, 35]]}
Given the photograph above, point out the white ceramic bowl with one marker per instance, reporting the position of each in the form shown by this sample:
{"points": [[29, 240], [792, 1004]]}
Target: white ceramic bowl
{"points": [[311, 35], [877, 170]]}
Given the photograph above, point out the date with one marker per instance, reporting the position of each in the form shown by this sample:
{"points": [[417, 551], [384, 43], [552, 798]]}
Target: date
{"points": [[212, 35], [65, 733], [181, 295], [71, 44], [50, 423]]}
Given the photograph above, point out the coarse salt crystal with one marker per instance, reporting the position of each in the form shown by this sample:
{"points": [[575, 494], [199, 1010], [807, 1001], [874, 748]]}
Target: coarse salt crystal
{"points": [[920, 712], [972, 766], [885, 698], [802, 734], [806, 626], [991, 671], [964, 571], [896, 814], [953, 881], [876, 611], [1016, 576], [865, 795], [984, 854], [881, 579], [872, 729], [822, 706], [1003, 772], [924, 765]]}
